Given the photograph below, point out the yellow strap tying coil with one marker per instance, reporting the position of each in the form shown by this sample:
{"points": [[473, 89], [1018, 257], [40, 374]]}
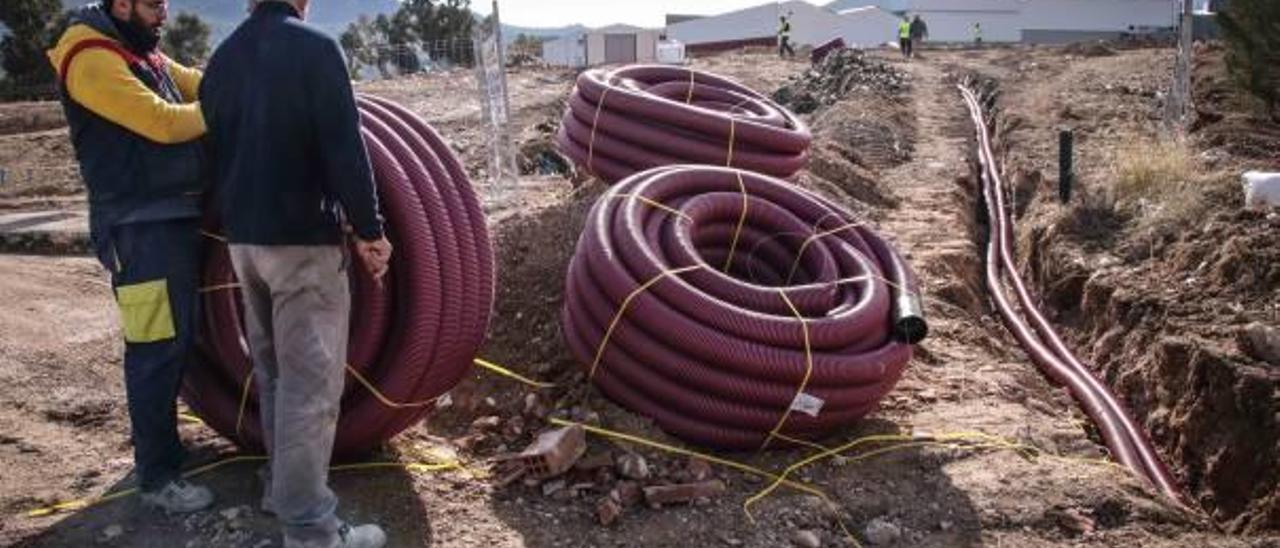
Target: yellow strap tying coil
{"points": [[733, 134], [808, 369], [654, 203], [805, 246], [688, 99], [623, 309], [742, 220], [213, 236], [595, 121], [382, 397], [219, 287], [244, 400]]}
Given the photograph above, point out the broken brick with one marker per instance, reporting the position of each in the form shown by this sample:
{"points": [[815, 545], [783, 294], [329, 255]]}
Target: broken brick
{"points": [[683, 492]]}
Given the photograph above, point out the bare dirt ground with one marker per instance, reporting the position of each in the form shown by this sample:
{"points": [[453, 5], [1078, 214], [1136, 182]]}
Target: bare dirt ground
{"points": [[63, 427]]}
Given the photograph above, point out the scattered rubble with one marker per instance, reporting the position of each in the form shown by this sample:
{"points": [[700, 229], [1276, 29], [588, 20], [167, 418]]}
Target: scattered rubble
{"points": [[882, 532], [806, 539], [839, 74], [684, 492], [1261, 342], [633, 466]]}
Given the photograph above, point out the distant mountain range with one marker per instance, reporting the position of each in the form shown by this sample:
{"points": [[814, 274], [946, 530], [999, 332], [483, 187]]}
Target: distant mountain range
{"points": [[332, 15]]}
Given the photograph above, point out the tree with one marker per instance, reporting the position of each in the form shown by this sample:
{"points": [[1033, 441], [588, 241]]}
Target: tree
{"points": [[527, 45], [356, 43], [186, 40], [1251, 30], [33, 25]]}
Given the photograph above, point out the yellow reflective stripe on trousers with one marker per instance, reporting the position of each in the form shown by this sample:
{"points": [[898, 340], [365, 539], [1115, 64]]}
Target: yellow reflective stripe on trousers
{"points": [[145, 314]]}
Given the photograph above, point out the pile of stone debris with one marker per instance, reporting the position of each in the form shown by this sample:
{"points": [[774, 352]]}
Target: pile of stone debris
{"points": [[839, 74]]}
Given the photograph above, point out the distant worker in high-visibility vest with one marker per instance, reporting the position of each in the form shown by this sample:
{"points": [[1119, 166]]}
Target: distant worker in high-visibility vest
{"points": [[904, 37], [784, 37], [977, 34]]}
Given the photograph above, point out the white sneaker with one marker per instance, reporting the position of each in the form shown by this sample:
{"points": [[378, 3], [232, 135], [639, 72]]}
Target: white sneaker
{"points": [[179, 497], [362, 536]]}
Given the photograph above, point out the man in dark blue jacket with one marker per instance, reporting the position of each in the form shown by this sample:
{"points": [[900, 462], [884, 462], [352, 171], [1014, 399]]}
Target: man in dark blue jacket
{"points": [[289, 166]]}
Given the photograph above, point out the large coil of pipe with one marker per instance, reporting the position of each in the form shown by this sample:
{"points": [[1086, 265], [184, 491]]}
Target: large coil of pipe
{"points": [[638, 117], [413, 336], [735, 309]]}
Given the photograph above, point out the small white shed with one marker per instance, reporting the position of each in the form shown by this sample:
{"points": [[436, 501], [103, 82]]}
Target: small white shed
{"points": [[615, 44]]}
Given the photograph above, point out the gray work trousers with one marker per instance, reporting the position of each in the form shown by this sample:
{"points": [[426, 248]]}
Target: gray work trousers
{"points": [[296, 311]]}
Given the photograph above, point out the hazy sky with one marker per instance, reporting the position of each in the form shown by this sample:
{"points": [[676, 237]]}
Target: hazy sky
{"points": [[598, 13]]}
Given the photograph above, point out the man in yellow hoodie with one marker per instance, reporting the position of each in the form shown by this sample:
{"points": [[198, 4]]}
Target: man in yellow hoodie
{"points": [[135, 124]]}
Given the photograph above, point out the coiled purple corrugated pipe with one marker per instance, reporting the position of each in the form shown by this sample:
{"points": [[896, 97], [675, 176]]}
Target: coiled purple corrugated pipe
{"points": [[638, 117], [1127, 442], [414, 335], [706, 343]]}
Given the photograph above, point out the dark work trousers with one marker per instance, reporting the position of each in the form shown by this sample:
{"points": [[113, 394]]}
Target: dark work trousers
{"points": [[784, 47], [155, 274]]}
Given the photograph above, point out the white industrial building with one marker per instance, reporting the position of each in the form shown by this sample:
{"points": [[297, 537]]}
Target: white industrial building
{"points": [[865, 26], [614, 44], [1032, 21]]}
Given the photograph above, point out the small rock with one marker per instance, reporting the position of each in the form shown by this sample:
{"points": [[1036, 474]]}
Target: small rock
{"points": [[730, 541], [1261, 342], [882, 532], [552, 487], [633, 466], [595, 462], [699, 470], [628, 493], [608, 510], [111, 533], [484, 424], [806, 539], [684, 492], [945, 525]]}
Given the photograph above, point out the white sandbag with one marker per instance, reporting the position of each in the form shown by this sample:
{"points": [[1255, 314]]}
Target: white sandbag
{"points": [[1261, 189]]}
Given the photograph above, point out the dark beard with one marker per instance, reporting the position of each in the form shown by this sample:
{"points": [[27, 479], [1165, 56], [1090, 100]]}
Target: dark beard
{"points": [[138, 37]]}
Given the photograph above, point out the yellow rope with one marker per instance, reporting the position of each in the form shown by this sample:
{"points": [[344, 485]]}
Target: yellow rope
{"points": [[220, 287], [213, 236], [595, 121], [741, 467], [382, 397], [805, 246], [654, 203], [808, 369], [511, 374], [742, 220], [244, 400], [688, 100], [623, 309], [733, 133], [93, 501]]}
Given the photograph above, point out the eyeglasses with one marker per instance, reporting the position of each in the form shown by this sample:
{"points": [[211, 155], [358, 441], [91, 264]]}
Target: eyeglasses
{"points": [[154, 5]]}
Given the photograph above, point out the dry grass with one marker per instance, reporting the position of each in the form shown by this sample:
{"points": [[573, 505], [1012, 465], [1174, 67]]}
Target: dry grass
{"points": [[1162, 183]]}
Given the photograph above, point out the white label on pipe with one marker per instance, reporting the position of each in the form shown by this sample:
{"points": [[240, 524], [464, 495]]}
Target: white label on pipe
{"points": [[807, 404]]}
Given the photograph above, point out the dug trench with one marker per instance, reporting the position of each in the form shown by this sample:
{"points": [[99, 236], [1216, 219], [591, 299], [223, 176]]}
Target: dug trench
{"points": [[1172, 296]]}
